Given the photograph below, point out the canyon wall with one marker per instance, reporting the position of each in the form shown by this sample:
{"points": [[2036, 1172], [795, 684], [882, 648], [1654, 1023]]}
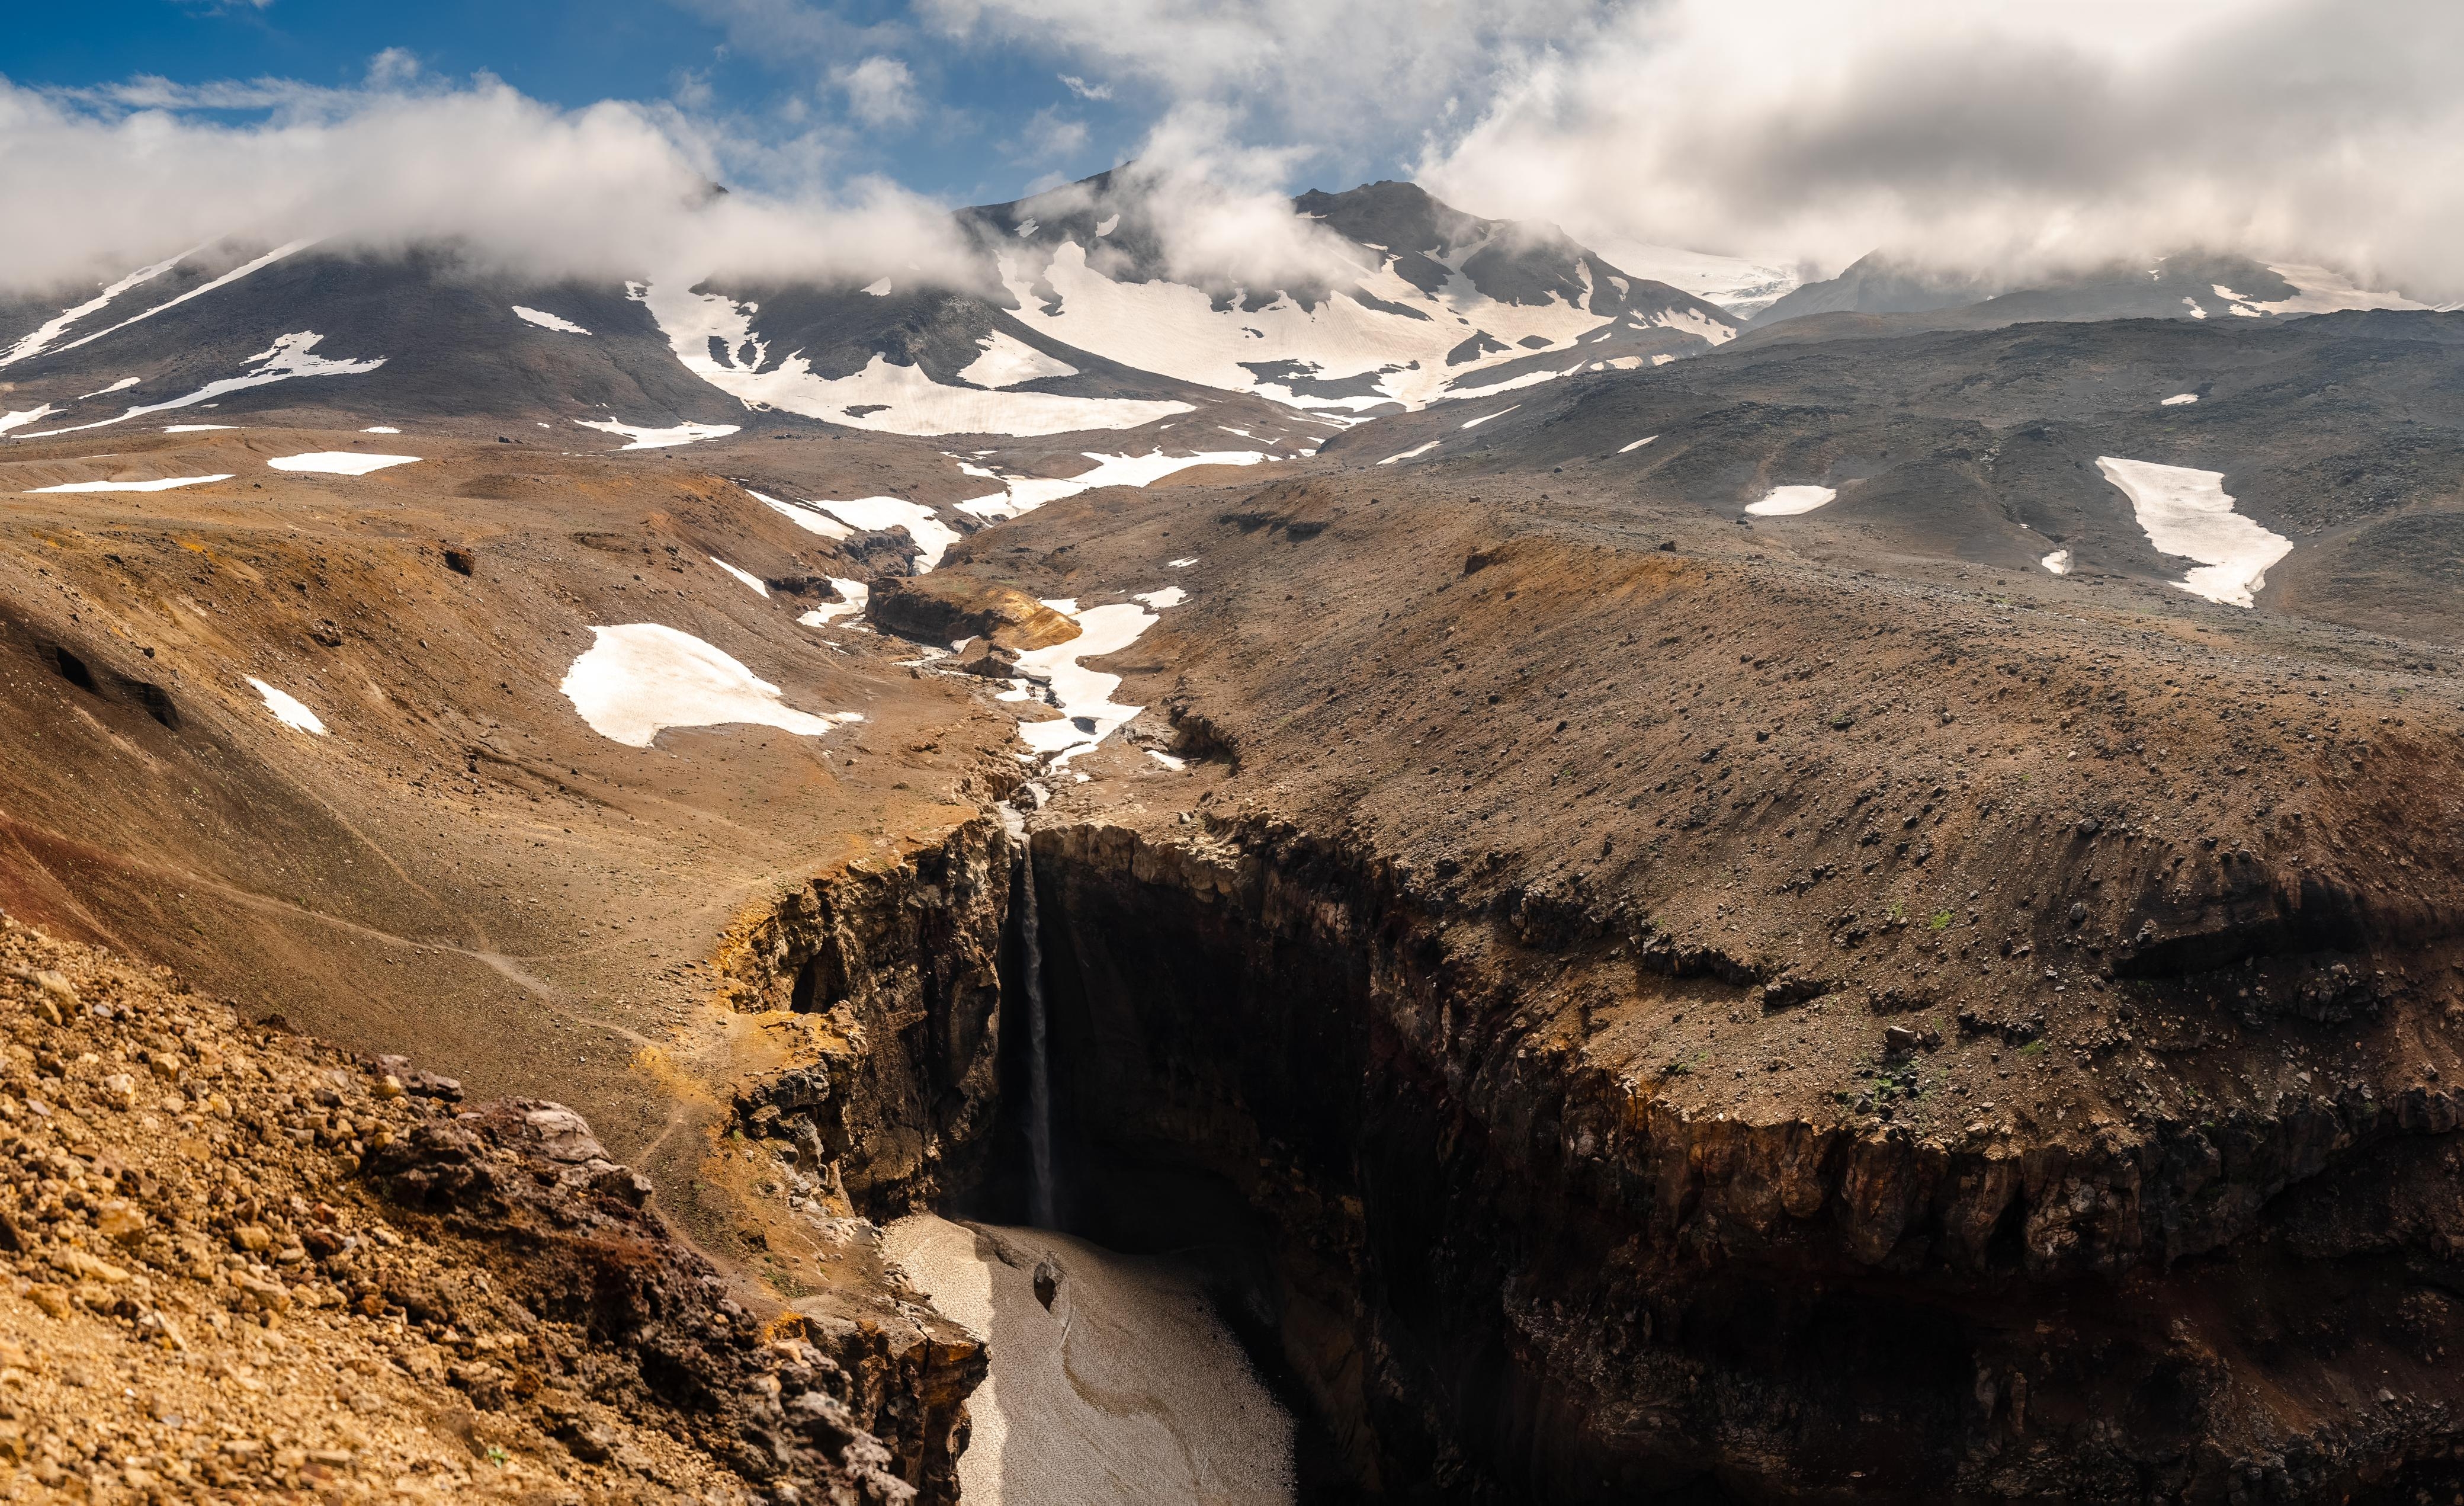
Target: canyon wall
{"points": [[1505, 1266]]}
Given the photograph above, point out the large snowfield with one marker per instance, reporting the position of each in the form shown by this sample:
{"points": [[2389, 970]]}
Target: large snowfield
{"points": [[2187, 512]]}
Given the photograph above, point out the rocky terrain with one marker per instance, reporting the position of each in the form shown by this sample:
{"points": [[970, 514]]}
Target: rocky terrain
{"points": [[1620, 989], [246, 1265]]}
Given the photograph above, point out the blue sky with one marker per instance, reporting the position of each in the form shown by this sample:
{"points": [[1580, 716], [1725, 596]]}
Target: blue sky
{"points": [[987, 119]]}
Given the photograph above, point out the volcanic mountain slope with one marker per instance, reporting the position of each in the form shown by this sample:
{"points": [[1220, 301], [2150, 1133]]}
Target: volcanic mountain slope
{"points": [[1464, 304], [1891, 295], [2337, 437], [427, 335]]}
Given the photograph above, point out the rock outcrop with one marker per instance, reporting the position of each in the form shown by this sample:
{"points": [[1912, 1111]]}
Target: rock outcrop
{"points": [[244, 1263]]}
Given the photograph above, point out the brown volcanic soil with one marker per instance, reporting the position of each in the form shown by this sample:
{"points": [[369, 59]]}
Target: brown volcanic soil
{"points": [[463, 870], [1884, 794]]}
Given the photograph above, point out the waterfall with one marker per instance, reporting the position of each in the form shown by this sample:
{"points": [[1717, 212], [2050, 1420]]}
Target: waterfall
{"points": [[1038, 1068]]}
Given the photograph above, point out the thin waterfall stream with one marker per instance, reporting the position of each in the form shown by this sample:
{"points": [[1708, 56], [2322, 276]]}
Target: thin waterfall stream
{"points": [[1039, 1067]]}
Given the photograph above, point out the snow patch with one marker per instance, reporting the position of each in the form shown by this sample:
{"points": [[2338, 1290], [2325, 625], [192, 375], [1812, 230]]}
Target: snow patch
{"points": [[1740, 286], [1637, 445], [287, 710], [2179, 400], [1486, 417], [2187, 512], [121, 386], [1176, 330], [165, 485], [1168, 596], [1413, 454], [1009, 361], [199, 429], [547, 321], [23, 416], [638, 679], [2058, 562], [339, 463], [1787, 502], [289, 356], [878, 289], [686, 434], [1695, 323], [1181, 565], [42, 335], [1127, 1388], [199, 291], [1168, 761], [746, 576]]}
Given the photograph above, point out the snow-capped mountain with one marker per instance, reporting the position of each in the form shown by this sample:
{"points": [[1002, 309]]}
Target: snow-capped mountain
{"points": [[1424, 302], [1076, 325]]}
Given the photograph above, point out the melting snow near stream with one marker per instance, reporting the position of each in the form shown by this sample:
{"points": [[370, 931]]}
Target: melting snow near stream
{"points": [[853, 597], [1088, 714], [2187, 512], [878, 514]]}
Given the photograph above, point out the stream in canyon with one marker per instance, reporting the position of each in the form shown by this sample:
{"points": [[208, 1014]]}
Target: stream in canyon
{"points": [[1114, 1376]]}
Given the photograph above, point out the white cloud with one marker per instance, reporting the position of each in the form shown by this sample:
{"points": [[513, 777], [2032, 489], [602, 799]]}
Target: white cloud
{"points": [[1220, 211], [881, 92], [2013, 134], [1049, 136], [2068, 130], [1085, 90], [96, 183]]}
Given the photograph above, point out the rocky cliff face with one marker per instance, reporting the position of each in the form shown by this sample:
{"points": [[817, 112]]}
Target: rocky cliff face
{"points": [[886, 981], [1512, 1261]]}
